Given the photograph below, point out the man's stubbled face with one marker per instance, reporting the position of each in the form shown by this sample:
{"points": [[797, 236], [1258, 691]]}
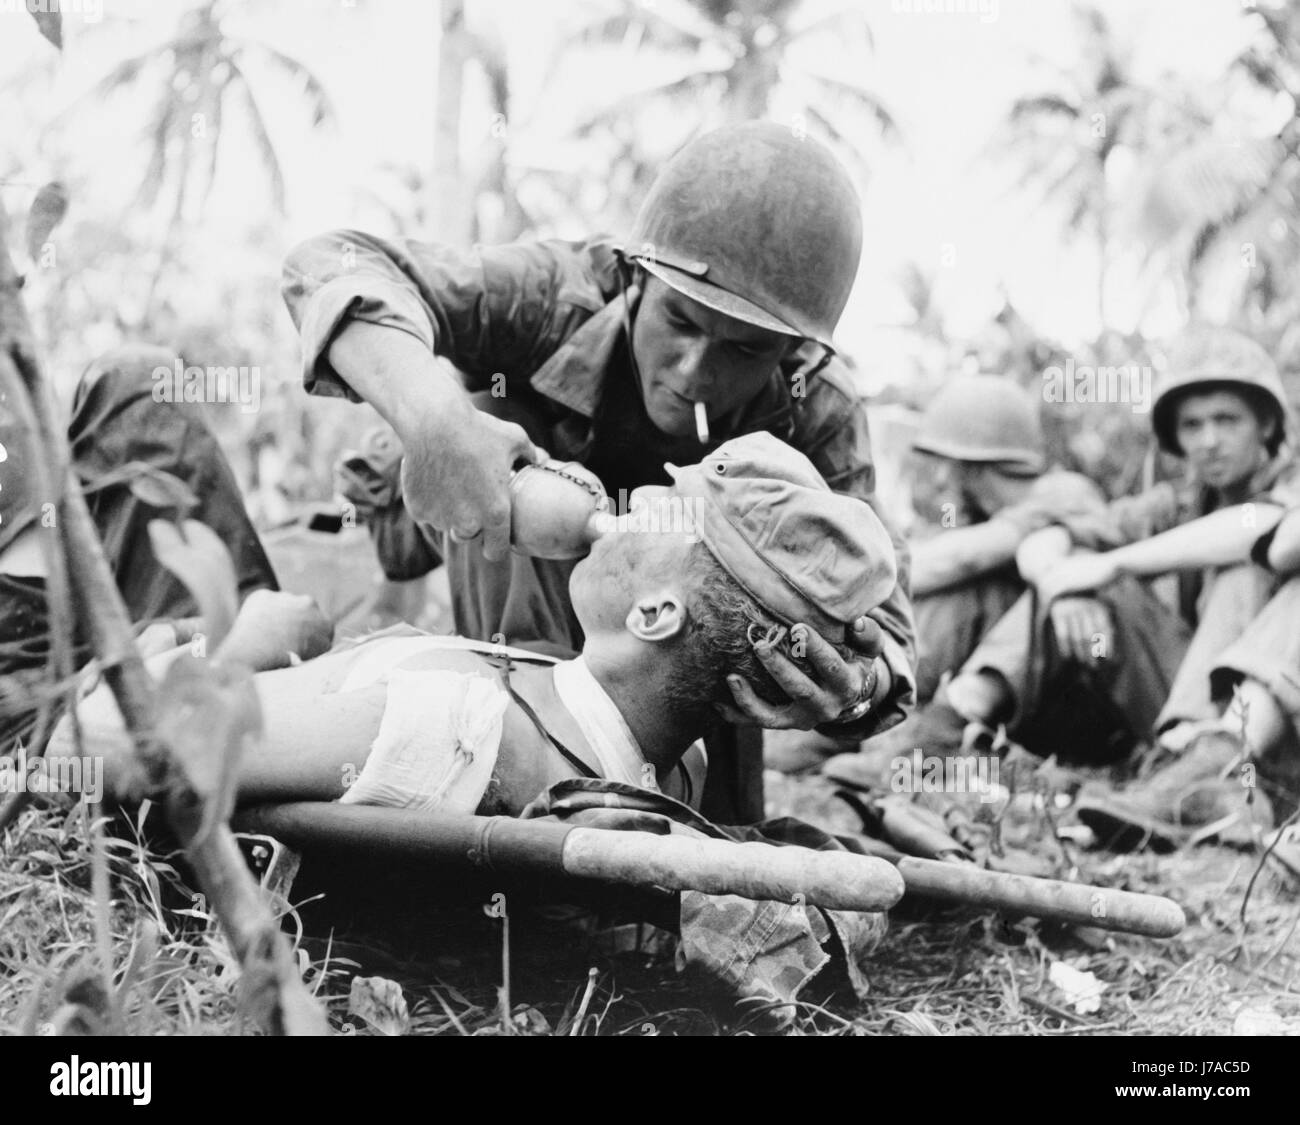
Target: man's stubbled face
{"points": [[688, 353], [1222, 438]]}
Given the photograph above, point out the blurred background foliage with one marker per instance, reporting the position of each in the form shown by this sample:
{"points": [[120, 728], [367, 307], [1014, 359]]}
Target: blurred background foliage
{"points": [[198, 141]]}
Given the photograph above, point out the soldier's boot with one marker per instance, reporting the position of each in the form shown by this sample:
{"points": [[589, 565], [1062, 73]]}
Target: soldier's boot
{"points": [[1206, 793]]}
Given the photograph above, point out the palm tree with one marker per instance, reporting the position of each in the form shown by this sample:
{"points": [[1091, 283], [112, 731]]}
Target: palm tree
{"points": [[1064, 138], [739, 60], [1215, 198], [201, 73], [477, 204]]}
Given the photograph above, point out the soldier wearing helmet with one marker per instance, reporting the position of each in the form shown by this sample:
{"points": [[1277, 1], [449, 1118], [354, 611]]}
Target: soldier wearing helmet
{"points": [[1165, 673], [981, 483], [713, 320]]}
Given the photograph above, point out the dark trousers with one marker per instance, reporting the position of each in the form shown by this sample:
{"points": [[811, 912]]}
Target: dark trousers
{"points": [[950, 624], [1153, 671], [114, 421]]}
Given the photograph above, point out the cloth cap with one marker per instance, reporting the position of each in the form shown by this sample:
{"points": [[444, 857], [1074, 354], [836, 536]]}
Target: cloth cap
{"points": [[802, 551]]}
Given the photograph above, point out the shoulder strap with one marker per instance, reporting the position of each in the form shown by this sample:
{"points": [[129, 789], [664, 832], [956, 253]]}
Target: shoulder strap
{"points": [[504, 664]]}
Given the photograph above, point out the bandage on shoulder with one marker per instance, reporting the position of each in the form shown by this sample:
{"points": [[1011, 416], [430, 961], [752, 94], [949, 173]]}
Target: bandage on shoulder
{"points": [[437, 744]]}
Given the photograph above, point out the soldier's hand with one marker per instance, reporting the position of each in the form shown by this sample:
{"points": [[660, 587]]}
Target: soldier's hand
{"points": [[1082, 627], [820, 683], [271, 624], [456, 477]]}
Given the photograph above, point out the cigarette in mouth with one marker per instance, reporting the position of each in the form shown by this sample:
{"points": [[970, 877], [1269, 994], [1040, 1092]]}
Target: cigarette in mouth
{"points": [[701, 423]]}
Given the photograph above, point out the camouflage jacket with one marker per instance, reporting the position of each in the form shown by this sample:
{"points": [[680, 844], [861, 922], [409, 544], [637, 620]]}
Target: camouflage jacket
{"points": [[762, 953]]}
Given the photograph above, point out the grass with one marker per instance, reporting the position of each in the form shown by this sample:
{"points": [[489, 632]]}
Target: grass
{"points": [[952, 972]]}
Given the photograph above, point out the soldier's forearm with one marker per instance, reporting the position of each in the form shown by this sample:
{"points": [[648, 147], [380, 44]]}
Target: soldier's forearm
{"points": [[399, 377], [1219, 539], [960, 553]]}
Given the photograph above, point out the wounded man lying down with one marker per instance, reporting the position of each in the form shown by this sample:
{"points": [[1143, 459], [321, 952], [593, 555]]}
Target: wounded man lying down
{"points": [[670, 602]]}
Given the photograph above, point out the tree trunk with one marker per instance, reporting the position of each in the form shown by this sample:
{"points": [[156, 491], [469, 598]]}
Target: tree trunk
{"points": [[452, 206]]}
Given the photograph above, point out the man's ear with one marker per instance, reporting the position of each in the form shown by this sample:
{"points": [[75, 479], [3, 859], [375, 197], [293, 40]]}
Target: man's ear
{"points": [[657, 617]]}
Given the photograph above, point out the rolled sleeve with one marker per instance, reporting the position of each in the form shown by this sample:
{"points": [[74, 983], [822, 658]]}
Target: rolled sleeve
{"points": [[498, 309], [345, 299], [344, 276]]}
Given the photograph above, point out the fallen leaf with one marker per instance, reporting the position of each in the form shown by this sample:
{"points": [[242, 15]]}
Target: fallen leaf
{"points": [[379, 1001], [1082, 990], [1255, 1020]]}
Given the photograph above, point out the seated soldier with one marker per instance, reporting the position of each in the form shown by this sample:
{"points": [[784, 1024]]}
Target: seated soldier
{"points": [[115, 420], [982, 483], [1255, 678], [1223, 410], [670, 609]]}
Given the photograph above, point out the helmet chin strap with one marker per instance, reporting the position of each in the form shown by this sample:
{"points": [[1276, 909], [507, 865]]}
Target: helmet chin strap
{"points": [[625, 282]]}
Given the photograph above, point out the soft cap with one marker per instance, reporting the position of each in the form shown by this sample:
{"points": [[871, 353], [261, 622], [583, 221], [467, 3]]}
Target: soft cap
{"points": [[803, 552]]}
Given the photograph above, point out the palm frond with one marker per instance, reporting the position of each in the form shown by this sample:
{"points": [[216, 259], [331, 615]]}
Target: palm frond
{"points": [[1043, 105], [261, 138], [847, 146], [671, 26], [850, 20], [124, 73], [861, 99], [687, 87], [160, 135], [216, 104], [1205, 184], [313, 90]]}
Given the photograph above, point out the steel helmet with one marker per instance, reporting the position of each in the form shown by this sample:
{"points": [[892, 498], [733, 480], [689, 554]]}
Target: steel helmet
{"points": [[756, 221], [984, 418], [1206, 358]]}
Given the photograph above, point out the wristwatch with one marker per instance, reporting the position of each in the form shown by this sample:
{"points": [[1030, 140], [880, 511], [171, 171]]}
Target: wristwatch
{"points": [[864, 700]]}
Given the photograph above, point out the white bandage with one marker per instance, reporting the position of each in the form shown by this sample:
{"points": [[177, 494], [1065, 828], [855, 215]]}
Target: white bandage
{"points": [[437, 743]]}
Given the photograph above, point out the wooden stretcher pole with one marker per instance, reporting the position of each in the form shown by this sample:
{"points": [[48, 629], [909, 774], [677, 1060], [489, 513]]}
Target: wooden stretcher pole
{"points": [[1078, 903], [834, 880], [961, 882]]}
